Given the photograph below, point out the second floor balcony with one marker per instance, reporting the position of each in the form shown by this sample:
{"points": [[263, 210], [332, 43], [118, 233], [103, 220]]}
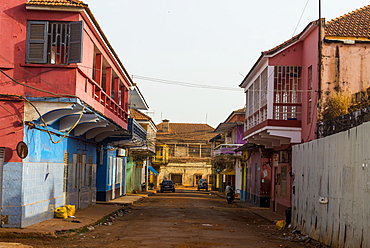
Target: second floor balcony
{"points": [[274, 105], [161, 155]]}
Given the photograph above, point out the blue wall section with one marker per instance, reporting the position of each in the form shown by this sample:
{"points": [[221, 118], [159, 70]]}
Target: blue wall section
{"points": [[34, 188], [11, 194], [41, 149], [104, 181]]}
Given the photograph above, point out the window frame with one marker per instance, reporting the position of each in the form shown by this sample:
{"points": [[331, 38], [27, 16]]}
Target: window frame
{"points": [[39, 54]]}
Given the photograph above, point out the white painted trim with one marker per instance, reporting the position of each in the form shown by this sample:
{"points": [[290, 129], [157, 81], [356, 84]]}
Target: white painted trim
{"points": [[270, 92]]}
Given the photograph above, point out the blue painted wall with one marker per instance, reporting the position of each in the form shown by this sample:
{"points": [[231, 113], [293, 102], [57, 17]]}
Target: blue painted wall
{"points": [[34, 188], [104, 181]]}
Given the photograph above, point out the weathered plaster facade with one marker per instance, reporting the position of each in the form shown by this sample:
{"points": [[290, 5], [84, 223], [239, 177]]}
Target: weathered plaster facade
{"points": [[189, 152]]}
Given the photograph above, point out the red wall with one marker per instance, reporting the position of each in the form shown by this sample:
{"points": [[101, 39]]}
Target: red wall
{"points": [[11, 127], [309, 58], [58, 79], [291, 56]]}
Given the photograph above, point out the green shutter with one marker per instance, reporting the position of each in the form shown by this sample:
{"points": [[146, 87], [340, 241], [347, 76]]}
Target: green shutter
{"points": [[36, 42], [75, 42]]}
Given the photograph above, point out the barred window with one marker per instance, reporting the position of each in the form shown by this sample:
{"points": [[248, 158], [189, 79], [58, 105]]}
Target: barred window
{"points": [[54, 42]]}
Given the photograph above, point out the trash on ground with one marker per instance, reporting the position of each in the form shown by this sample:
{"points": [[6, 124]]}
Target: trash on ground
{"points": [[61, 212], [71, 209], [280, 224]]}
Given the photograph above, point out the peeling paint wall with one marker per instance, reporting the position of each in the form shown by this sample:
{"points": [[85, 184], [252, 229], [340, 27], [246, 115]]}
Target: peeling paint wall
{"points": [[345, 68], [188, 172]]}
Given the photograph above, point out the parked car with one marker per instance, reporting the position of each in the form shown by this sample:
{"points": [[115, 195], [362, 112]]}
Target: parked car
{"points": [[203, 184], [167, 185]]}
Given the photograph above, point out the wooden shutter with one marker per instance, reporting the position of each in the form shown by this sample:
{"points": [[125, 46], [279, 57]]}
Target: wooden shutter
{"points": [[36, 42], [75, 42]]}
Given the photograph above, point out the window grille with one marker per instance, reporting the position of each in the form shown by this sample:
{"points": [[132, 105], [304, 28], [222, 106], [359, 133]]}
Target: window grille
{"points": [[54, 42], [287, 94], [309, 112]]}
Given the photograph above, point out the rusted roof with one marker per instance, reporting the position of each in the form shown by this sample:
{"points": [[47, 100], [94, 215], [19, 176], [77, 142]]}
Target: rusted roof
{"points": [[138, 115], [186, 132], [72, 3], [353, 24]]}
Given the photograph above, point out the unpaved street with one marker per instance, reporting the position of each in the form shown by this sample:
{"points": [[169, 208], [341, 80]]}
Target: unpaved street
{"points": [[187, 218]]}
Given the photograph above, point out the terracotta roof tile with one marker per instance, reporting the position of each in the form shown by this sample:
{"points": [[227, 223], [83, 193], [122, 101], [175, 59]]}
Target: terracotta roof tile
{"points": [[138, 115], [282, 45], [353, 24], [72, 3], [186, 132]]}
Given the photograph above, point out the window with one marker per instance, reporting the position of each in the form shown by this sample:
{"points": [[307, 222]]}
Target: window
{"points": [[287, 95], [54, 42], [309, 112], [181, 150], [194, 150], [171, 150], [206, 151]]}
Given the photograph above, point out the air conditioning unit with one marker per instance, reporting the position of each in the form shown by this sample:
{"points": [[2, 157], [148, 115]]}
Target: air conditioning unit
{"points": [[121, 152]]}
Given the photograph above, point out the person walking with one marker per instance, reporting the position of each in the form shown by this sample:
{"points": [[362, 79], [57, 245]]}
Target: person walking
{"points": [[230, 193]]}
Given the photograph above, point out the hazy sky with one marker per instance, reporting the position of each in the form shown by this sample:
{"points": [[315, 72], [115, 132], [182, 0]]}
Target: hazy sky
{"points": [[201, 42]]}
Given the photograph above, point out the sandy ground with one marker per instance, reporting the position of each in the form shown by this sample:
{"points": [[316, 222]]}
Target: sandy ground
{"points": [[187, 218]]}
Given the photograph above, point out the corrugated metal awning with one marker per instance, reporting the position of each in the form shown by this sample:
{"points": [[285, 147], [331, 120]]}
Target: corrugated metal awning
{"points": [[226, 126]]}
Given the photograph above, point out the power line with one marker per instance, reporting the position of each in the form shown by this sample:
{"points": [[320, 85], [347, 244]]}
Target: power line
{"points": [[300, 18], [185, 84]]}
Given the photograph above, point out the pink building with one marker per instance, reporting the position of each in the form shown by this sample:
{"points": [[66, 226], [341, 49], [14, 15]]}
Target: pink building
{"points": [[64, 100], [286, 96]]}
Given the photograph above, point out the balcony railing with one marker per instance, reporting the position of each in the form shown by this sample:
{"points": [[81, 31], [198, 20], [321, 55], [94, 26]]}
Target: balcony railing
{"points": [[161, 156], [99, 95], [136, 129], [227, 149]]}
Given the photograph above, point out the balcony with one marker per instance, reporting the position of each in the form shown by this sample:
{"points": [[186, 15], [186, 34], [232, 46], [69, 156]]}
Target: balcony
{"points": [[161, 157], [135, 138], [274, 105], [227, 149]]}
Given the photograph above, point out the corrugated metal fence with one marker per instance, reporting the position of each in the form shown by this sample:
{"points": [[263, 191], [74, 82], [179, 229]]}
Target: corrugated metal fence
{"points": [[331, 195]]}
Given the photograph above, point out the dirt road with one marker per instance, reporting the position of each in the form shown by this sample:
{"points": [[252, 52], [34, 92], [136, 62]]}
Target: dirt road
{"points": [[187, 218]]}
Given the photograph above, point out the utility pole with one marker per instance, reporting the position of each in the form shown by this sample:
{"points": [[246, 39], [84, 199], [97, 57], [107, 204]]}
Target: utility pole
{"points": [[319, 64]]}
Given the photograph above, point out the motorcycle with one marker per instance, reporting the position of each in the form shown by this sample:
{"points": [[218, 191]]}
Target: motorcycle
{"points": [[230, 197]]}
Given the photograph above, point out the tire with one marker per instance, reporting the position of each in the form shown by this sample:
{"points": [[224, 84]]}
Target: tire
{"points": [[173, 191]]}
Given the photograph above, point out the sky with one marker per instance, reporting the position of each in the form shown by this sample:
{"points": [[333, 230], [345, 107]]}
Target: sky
{"points": [[207, 45]]}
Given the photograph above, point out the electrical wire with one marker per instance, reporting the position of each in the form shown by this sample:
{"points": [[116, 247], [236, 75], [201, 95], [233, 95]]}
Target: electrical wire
{"points": [[300, 18], [204, 86], [34, 88], [32, 74], [43, 121]]}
